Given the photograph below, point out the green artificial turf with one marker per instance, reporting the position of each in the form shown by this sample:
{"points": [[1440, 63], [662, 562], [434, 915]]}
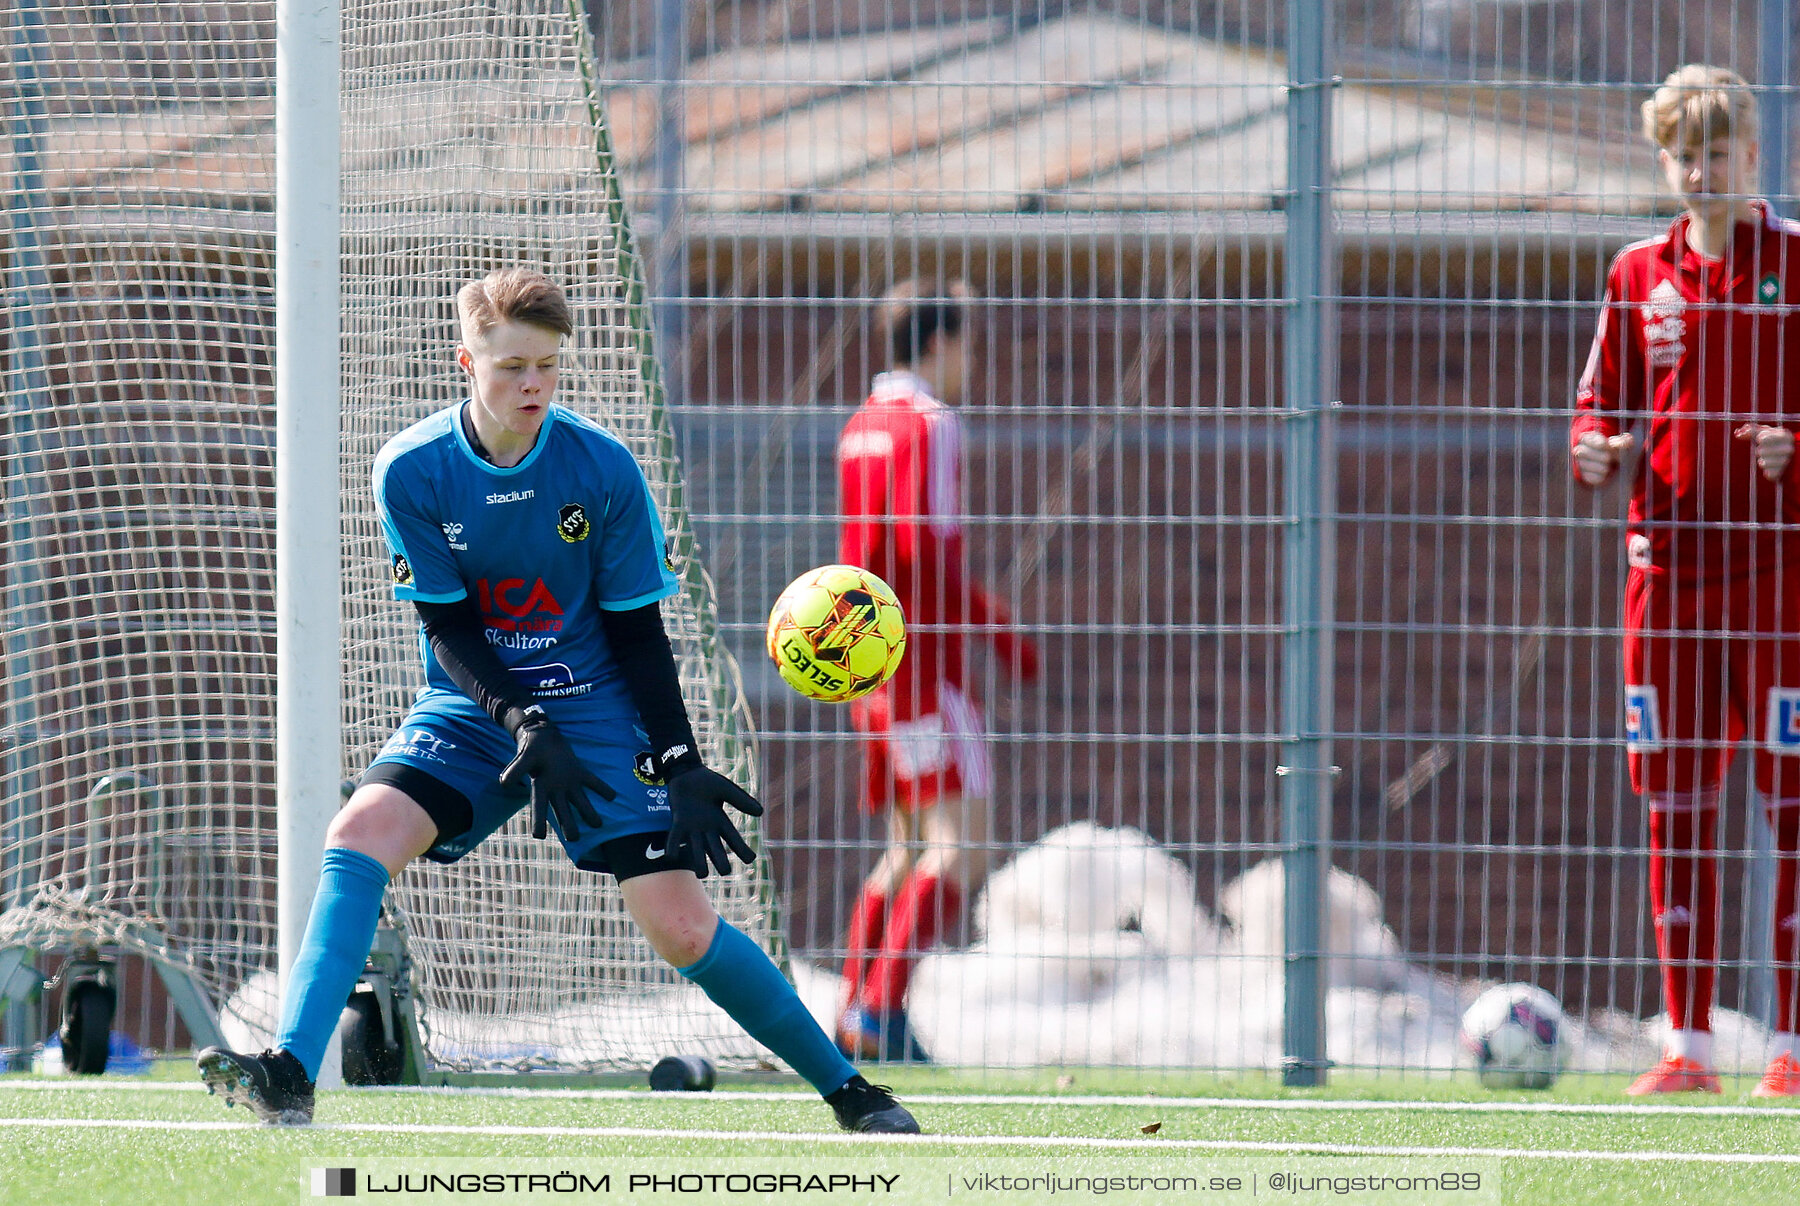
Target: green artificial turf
{"points": [[147, 1141]]}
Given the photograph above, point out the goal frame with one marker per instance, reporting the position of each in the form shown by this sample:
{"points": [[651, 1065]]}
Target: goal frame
{"points": [[308, 544]]}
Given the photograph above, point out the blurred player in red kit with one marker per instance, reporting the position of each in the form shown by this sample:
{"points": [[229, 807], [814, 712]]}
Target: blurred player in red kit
{"points": [[926, 758], [1699, 343]]}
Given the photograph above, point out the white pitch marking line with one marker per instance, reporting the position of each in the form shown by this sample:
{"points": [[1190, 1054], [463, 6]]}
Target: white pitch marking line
{"points": [[1477, 1107], [1146, 1101], [1001, 1099], [966, 1141]]}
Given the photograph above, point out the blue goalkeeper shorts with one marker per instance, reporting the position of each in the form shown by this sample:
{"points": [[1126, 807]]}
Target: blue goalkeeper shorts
{"points": [[462, 749]]}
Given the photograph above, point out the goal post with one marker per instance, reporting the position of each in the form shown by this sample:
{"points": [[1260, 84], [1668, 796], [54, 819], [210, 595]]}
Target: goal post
{"points": [[308, 564]]}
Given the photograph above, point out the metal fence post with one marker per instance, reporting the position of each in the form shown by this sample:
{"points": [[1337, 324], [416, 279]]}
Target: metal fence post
{"points": [[1309, 478], [668, 246], [1774, 50]]}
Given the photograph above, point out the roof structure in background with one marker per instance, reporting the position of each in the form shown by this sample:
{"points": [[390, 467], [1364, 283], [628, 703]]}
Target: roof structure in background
{"points": [[1080, 114], [1094, 122]]}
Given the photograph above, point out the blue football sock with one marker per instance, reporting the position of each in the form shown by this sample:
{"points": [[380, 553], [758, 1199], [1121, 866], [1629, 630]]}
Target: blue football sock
{"points": [[338, 932], [743, 982]]}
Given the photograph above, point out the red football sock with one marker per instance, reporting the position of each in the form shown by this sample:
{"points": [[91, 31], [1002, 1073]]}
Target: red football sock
{"points": [[921, 907], [864, 938], [1684, 901], [1785, 821]]}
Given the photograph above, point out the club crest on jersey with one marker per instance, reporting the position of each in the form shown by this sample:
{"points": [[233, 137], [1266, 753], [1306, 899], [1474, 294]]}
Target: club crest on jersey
{"points": [[1664, 316], [1643, 726], [643, 765], [1768, 288], [1784, 718], [572, 523], [403, 575]]}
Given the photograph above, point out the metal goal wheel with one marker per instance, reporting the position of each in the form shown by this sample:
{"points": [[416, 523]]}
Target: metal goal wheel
{"points": [[371, 1053], [88, 1004]]}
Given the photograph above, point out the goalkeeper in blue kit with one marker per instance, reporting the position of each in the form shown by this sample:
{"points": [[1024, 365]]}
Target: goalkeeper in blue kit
{"points": [[526, 537]]}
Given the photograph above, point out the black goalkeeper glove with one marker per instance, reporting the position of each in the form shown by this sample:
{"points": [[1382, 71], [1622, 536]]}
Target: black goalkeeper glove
{"points": [[559, 781], [697, 799]]}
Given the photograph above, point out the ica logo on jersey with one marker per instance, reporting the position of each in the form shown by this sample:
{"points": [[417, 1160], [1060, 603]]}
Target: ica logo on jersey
{"points": [[511, 606]]}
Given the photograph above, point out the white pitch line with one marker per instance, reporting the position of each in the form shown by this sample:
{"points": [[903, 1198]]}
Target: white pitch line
{"points": [[1144, 1101], [1066, 1142], [1284, 1105], [151, 1086]]}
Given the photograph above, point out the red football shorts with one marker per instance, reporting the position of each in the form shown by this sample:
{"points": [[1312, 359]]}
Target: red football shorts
{"points": [[1706, 666], [911, 764]]}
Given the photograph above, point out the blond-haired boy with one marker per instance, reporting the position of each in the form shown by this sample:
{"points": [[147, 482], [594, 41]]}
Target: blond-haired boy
{"points": [[1698, 346]]}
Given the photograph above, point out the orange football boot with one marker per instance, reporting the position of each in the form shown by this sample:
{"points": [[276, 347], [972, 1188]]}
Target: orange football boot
{"points": [[1781, 1080], [1675, 1074]]}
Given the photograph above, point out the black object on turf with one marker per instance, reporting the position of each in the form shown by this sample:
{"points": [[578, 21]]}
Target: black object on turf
{"points": [[559, 781], [371, 1056], [870, 1109], [272, 1084], [86, 1030], [683, 1074], [697, 799]]}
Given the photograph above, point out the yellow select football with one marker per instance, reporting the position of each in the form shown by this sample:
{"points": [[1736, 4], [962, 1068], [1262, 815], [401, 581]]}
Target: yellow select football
{"points": [[836, 633]]}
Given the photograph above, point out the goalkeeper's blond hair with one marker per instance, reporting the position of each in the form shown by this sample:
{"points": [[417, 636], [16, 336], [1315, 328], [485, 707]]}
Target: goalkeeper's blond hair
{"points": [[512, 295]]}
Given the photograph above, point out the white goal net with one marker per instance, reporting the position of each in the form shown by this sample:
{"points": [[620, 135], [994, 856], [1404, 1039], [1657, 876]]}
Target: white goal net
{"points": [[474, 138], [137, 806]]}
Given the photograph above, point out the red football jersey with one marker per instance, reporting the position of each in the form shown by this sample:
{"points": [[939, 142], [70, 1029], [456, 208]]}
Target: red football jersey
{"points": [[899, 477], [1698, 347]]}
